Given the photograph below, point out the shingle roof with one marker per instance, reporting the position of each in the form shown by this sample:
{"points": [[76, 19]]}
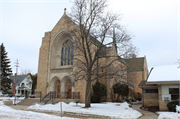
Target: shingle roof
{"points": [[135, 64], [122, 61], [19, 78]]}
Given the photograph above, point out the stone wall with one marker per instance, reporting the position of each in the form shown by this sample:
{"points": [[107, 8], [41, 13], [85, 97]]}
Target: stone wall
{"points": [[44, 73], [42, 77], [163, 105], [80, 86], [145, 72], [134, 78], [151, 100]]}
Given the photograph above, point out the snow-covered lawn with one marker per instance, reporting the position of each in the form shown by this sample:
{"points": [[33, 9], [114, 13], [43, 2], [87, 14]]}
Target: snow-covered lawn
{"points": [[9, 113], [168, 115], [113, 110]]}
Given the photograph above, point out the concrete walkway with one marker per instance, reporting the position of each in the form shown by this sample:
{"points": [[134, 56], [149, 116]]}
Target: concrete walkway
{"points": [[146, 114]]}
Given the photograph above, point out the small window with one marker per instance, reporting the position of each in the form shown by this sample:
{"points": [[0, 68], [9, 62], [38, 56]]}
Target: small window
{"points": [[174, 93], [22, 85], [150, 90]]}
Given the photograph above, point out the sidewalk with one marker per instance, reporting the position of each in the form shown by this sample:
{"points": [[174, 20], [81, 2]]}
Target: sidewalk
{"points": [[18, 107], [146, 114]]}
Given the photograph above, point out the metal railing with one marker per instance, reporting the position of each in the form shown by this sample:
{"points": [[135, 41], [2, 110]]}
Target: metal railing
{"points": [[50, 96], [63, 95], [67, 95]]}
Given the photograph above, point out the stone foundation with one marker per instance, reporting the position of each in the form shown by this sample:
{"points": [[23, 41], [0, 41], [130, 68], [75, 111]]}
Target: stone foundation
{"points": [[163, 105]]}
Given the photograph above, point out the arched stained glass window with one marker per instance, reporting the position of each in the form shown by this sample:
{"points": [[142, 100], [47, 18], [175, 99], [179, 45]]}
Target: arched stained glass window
{"points": [[67, 53]]}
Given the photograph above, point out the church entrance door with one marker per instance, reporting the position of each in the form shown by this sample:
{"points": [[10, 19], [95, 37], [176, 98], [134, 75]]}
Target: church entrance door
{"points": [[69, 91], [58, 91]]}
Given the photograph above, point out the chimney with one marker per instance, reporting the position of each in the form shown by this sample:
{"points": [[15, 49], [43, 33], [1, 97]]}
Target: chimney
{"points": [[133, 56], [64, 10]]}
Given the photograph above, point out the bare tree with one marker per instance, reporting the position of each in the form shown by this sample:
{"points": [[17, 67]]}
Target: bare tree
{"points": [[25, 72], [124, 41], [95, 26]]}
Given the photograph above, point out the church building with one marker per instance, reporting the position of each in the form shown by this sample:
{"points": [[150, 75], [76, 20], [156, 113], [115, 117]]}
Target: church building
{"points": [[56, 65]]}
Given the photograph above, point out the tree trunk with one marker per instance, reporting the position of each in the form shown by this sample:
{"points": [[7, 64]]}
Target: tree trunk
{"points": [[88, 92]]}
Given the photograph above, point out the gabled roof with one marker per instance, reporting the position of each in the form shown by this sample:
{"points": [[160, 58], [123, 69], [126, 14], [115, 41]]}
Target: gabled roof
{"points": [[135, 64], [122, 61], [93, 40], [168, 73], [19, 78]]}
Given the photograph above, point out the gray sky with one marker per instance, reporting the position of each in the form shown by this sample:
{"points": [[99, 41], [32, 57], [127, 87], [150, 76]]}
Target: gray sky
{"points": [[154, 23]]}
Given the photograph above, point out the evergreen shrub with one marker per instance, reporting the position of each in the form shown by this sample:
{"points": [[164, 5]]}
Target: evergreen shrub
{"points": [[172, 106], [95, 99], [99, 90]]}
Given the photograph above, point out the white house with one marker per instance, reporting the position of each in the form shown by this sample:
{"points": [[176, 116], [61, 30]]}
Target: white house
{"points": [[23, 85], [161, 87]]}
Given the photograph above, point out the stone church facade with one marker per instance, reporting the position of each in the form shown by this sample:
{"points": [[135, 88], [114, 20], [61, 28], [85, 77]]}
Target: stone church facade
{"points": [[56, 64]]}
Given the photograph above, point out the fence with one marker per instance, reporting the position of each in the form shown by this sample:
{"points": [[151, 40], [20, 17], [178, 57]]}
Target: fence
{"points": [[67, 95]]}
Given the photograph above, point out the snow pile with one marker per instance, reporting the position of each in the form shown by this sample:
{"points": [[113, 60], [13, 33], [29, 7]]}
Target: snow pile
{"points": [[113, 110], [177, 108], [168, 115], [9, 113]]}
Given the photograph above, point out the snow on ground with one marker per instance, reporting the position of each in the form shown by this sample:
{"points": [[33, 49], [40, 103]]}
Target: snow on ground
{"points": [[9, 113], [168, 115], [1, 103], [113, 110], [18, 99]]}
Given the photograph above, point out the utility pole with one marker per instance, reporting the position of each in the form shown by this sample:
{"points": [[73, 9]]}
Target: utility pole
{"points": [[17, 65], [14, 86]]}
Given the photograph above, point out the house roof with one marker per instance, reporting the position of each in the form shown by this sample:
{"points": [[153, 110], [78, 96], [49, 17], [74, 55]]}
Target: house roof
{"points": [[19, 78], [135, 64], [169, 73], [143, 84]]}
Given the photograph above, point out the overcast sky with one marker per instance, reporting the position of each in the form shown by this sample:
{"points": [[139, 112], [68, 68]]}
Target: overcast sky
{"points": [[154, 23]]}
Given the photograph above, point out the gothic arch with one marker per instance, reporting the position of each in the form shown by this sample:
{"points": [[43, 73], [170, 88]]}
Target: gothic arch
{"points": [[66, 82], [54, 82], [56, 48]]}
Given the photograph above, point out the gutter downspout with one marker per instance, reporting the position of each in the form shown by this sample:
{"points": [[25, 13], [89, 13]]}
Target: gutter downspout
{"points": [[149, 73]]}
